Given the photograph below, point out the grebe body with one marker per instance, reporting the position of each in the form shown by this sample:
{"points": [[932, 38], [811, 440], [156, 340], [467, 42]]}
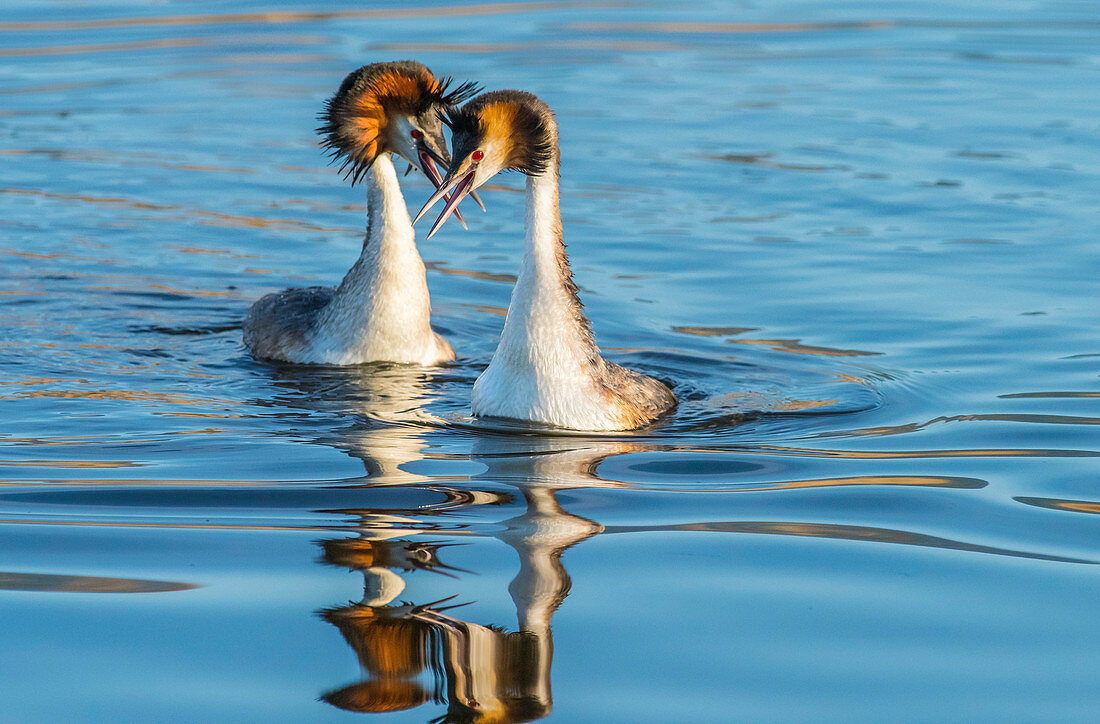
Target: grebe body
{"points": [[381, 310], [547, 367]]}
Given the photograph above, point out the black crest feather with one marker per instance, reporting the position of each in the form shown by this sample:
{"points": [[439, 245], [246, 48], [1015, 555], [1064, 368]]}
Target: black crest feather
{"points": [[533, 133], [449, 97], [461, 120], [345, 139], [535, 127]]}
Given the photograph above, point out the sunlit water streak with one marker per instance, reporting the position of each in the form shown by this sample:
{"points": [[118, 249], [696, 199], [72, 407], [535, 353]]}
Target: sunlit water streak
{"points": [[859, 244]]}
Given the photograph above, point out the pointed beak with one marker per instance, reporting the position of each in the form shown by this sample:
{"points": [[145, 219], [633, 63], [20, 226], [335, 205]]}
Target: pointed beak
{"points": [[476, 198], [428, 163], [460, 179], [461, 191]]}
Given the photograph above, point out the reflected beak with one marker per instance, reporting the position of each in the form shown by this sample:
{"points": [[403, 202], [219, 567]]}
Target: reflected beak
{"points": [[428, 163]]}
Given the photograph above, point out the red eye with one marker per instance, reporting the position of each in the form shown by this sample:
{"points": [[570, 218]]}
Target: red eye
{"points": [[477, 155], [416, 134]]}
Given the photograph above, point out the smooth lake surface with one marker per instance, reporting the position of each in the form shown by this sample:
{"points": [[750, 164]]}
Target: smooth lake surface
{"points": [[859, 239]]}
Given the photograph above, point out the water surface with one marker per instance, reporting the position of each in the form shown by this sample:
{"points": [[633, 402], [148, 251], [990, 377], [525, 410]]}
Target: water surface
{"points": [[859, 240]]}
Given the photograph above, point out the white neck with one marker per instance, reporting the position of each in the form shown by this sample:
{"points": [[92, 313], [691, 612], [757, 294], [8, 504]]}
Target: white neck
{"points": [[547, 367], [546, 327], [381, 310]]}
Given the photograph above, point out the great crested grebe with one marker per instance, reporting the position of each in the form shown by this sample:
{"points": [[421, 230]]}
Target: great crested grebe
{"points": [[546, 367], [381, 310]]}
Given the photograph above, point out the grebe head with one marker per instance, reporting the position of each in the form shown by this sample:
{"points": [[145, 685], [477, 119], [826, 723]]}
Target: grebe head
{"points": [[390, 107], [497, 131]]}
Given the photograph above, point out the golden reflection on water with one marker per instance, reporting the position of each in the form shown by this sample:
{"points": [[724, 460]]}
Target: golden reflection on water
{"points": [[190, 292], [771, 403], [123, 395], [213, 415], [45, 257], [117, 158], [763, 160], [442, 268], [729, 28], [1072, 506], [53, 583], [219, 252], [99, 464], [998, 417], [142, 482], [929, 481], [903, 454], [54, 88], [207, 218], [795, 346], [713, 331], [1031, 395], [160, 43], [168, 526], [624, 46], [489, 309], [283, 17]]}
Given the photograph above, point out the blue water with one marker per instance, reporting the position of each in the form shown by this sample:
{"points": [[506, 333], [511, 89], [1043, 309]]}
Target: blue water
{"points": [[859, 239]]}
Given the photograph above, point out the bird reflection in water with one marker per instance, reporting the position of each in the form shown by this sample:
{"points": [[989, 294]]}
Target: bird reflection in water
{"points": [[386, 403], [412, 653], [483, 673]]}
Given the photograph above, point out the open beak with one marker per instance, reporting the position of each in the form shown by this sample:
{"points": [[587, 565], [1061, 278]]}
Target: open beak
{"points": [[473, 195], [461, 181], [428, 163], [422, 148]]}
